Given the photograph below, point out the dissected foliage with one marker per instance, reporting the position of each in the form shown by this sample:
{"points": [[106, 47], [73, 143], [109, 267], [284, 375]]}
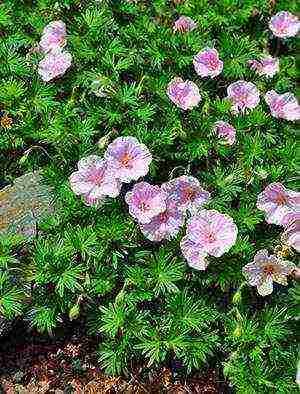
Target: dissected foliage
{"points": [[141, 298]]}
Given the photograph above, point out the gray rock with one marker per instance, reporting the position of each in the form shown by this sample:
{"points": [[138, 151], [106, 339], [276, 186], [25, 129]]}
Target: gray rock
{"points": [[23, 204]]}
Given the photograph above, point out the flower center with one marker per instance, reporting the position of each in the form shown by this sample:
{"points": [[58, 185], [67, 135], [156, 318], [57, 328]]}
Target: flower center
{"points": [[144, 207], [282, 29], [269, 269], [96, 178], [163, 217], [212, 64], [189, 193], [126, 159], [277, 105], [243, 99], [211, 237], [183, 27], [281, 199]]}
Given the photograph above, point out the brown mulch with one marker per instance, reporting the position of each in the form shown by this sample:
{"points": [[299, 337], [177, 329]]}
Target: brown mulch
{"points": [[67, 363]]}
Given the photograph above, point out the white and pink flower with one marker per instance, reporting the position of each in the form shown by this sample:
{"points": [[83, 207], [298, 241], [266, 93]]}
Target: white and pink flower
{"points": [[277, 201], [194, 255], [265, 270], [54, 64], [291, 235], [94, 180], [267, 66], [165, 225], [207, 63], [187, 192], [53, 37], [209, 233], [283, 106], [225, 131], [184, 24], [185, 94], [284, 24], [243, 95], [145, 201], [128, 158]]}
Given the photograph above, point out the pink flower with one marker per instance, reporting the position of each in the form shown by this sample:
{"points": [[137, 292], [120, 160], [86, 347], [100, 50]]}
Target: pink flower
{"points": [[265, 269], [225, 131], [195, 257], [207, 63], [145, 201], [208, 233], [284, 24], [185, 94], [268, 66], [215, 232], [54, 36], [187, 192], [291, 235], [128, 158], [92, 201], [277, 201], [290, 217], [243, 95], [184, 24], [283, 106], [166, 225], [94, 180], [54, 64]]}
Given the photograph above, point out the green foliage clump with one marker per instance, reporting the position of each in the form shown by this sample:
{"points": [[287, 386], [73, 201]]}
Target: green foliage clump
{"points": [[140, 298]]}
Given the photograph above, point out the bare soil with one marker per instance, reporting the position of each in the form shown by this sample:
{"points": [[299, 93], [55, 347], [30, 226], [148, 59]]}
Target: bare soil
{"points": [[67, 363]]}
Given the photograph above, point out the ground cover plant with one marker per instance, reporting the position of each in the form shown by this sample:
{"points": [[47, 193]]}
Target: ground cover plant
{"points": [[165, 131]]}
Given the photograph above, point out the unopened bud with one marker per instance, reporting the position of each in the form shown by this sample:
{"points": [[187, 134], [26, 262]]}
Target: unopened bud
{"points": [[237, 297], [74, 312], [238, 331]]}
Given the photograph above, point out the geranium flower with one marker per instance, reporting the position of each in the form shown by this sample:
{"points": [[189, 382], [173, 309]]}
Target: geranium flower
{"points": [[284, 24], [187, 192], [184, 24], [283, 106], [145, 201], [185, 94], [128, 158], [165, 225], [215, 232], [265, 270], [92, 201], [290, 217], [54, 64], [243, 95], [267, 66], [94, 180], [225, 131], [53, 37], [291, 235], [277, 201], [194, 256], [207, 63], [209, 232]]}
